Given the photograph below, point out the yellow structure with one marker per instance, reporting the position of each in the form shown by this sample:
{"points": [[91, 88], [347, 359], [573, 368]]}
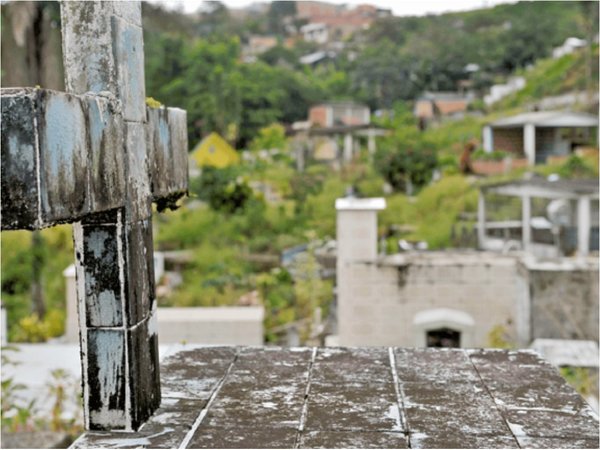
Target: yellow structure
{"points": [[214, 151]]}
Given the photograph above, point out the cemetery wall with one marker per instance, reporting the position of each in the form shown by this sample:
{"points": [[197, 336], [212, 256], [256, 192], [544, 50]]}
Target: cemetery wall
{"points": [[380, 302]]}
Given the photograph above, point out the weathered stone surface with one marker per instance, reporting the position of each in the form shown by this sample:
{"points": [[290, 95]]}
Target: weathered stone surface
{"points": [[106, 369], [337, 365], [166, 136], [106, 157], [268, 398], [129, 11], [101, 276], [144, 385], [194, 374], [557, 424], [461, 440], [422, 365], [19, 147], [352, 439], [353, 407], [138, 177], [255, 437], [525, 442], [62, 157], [87, 47], [128, 49], [139, 277]]}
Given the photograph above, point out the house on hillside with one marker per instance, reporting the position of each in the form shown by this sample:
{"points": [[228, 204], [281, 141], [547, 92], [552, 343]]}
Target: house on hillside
{"points": [[315, 32], [339, 113], [540, 135], [435, 105], [213, 151], [569, 46]]}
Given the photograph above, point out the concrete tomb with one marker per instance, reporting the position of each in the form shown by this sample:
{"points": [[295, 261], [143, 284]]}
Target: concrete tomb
{"points": [[227, 397], [97, 157]]}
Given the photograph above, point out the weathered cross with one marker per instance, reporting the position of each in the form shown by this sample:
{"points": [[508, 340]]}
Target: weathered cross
{"points": [[97, 156]]}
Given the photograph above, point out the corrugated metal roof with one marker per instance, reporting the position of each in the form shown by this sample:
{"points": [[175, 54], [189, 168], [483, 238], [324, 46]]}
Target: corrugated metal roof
{"points": [[548, 119]]}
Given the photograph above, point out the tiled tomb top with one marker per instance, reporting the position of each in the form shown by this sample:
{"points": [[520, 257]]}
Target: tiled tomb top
{"points": [[240, 397]]}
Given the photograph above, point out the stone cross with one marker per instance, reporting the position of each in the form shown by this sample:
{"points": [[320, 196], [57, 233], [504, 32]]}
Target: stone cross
{"points": [[97, 157]]}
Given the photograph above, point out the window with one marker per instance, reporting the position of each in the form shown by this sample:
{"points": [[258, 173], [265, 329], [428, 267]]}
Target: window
{"points": [[443, 337]]}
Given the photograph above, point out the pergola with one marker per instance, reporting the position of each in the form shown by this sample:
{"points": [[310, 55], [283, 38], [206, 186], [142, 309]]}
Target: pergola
{"points": [[532, 124], [582, 191]]}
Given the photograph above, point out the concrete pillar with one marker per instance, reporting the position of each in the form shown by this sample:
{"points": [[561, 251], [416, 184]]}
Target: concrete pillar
{"points": [[72, 324], [371, 146], [488, 139], [529, 142], [526, 222], [357, 229], [356, 242], [481, 220], [348, 148], [583, 226]]}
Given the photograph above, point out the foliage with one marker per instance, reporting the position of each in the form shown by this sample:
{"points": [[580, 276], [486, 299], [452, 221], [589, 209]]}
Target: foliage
{"points": [[583, 379], [222, 189], [56, 250], [498, 337], [310, 291], [496, 155], [577, 167], [271, 137], [406, 157]]}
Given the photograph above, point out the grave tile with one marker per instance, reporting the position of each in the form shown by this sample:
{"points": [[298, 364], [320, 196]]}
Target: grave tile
{"points": [[137, 173], [179, 140], [357, 406], [175, 412], [158, 144], [106, 145], [106, 372], [194, 374], [101, 276], [64, 165], [556, 424], [351, 366], [449, 419], [130, 11], [278, 404], [447, 393], [526, 442], [541, 393], [129, 60], [140, 270], [165, 437], [18, 144], [144, 384], [458, 439], [513, 367], [243, 437], [352, 439], [421, 365], [87, 50]]}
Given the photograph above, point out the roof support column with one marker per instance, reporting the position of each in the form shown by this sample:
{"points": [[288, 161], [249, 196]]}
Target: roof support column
{"points": [[481, 220], [488, 139], [529, 142], [348, 148], [526, 222], [583, 226], [371, 142]]}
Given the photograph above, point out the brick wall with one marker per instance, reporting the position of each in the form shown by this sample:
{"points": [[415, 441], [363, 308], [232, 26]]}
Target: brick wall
{"points": [[509, 140]]}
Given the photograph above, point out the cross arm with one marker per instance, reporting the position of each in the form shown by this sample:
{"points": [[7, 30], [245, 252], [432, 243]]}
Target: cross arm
{"points": [[63, 157]]}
